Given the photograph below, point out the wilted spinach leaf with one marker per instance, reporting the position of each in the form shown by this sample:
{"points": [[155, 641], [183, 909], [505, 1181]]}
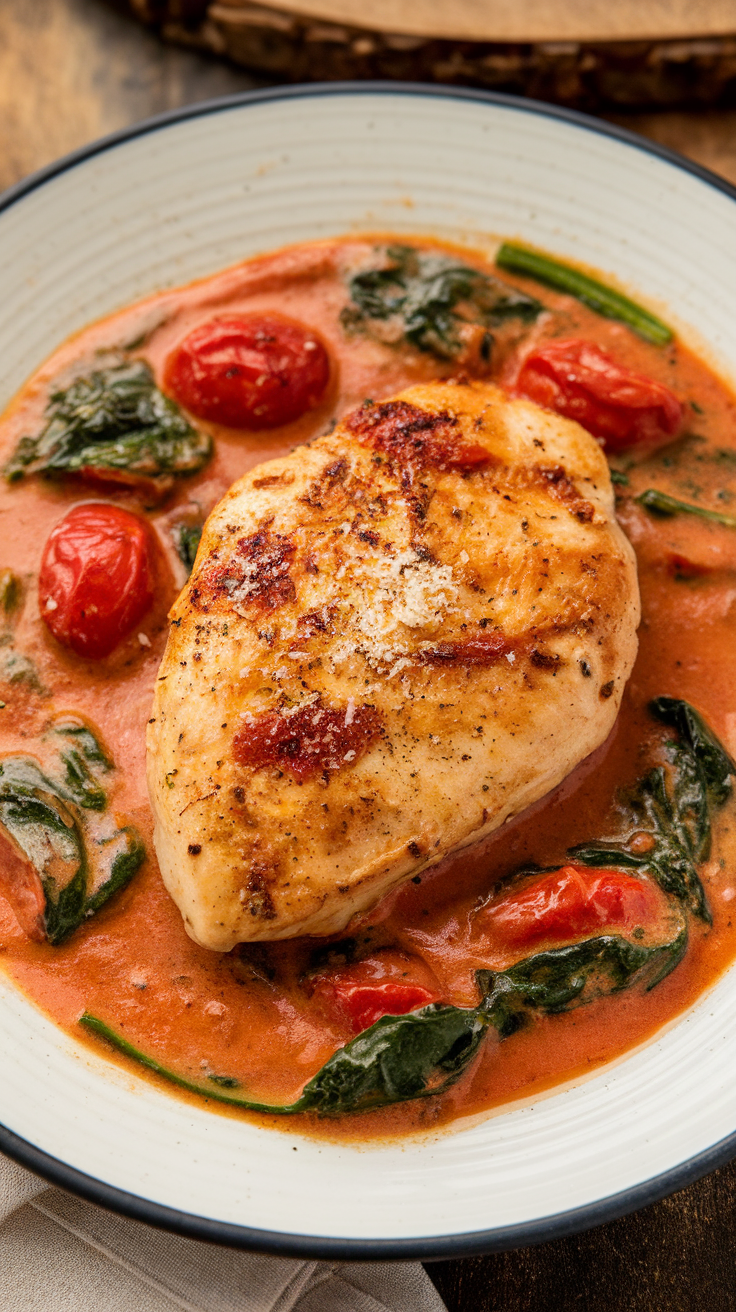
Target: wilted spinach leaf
{"points": [[672, 805], [80, 863], [708, 758], [186, 540], [81, 784], [86, 743], [556, 980], [123, 853], [118, 425], [422, 298], [399, 1058]]}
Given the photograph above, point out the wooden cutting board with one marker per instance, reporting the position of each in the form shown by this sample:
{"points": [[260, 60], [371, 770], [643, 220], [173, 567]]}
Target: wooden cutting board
{"points": [[520, 20], [596, 54]]}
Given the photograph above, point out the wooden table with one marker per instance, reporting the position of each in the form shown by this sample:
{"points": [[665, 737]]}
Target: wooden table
{"points": [[71, 70]]}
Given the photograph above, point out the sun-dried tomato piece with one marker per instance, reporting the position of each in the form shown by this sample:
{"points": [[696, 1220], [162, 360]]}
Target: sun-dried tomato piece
{"points": [[308, 741]]}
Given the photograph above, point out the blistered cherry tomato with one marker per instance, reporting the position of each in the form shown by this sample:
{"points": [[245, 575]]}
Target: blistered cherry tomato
{"points": [[248, 371], [572, 901], [97, 578], [620, 407], [372, 988]]}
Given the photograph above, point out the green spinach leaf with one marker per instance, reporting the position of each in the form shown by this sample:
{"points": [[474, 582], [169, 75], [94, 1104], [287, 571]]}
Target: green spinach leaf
{"points": [[561, 978], [423, 298], [116, 424], [80, 863], [80, 783], [186, 540], [125, 853], [88, 745], [398, 1059], [98, 1027], [708, 759], [66, 907], [672, 806]]}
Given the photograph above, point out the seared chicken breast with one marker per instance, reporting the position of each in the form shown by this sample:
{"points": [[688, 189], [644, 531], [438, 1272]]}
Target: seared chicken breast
{"points": [[393, 640]]}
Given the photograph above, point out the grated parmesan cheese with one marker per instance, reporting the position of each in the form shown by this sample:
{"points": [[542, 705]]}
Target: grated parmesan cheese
{"points": [[390, 596]]}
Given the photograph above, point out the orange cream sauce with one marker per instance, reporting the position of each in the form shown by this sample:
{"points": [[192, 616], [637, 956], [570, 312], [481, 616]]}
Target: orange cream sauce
{"points": [[247, 1014]]}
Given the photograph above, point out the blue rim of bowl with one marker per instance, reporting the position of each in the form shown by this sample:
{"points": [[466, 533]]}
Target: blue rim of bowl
{"points": [[281, 1244]]}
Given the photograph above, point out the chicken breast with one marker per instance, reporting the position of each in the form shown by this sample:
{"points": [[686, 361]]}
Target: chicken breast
{"points": [[393, 640]]}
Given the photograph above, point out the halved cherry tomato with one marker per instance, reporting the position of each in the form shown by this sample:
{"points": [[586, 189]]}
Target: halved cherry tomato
{"points": [[248, 371], [617, 405], [571, 901], [373, 988], [97, 578]]}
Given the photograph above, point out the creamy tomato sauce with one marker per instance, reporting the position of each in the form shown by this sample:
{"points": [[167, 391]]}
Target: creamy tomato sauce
{"points": [[248, 1014]]}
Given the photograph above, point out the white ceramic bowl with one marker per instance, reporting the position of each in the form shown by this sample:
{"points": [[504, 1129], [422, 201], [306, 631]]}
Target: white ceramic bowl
{"points": [[180, 197]]}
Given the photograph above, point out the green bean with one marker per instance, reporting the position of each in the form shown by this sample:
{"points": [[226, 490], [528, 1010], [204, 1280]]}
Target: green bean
{"points": [[599, 297]]}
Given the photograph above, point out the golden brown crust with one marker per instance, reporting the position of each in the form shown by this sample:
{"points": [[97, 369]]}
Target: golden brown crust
{"points": [[393, 640]]}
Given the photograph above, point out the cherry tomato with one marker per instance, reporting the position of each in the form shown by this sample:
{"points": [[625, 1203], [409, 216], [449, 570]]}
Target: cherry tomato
{"points": [[617, 405], [572, 901], [248, 371], [370, 989], [97, 578]]}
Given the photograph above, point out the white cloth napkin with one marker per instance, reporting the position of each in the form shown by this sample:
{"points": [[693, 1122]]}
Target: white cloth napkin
{"points": [[59, 1254]]}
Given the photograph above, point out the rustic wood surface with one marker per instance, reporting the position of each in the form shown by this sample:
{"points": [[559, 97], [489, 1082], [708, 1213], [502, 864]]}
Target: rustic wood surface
{"points": [[592, 54], [496, 20], [71, 70]]}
